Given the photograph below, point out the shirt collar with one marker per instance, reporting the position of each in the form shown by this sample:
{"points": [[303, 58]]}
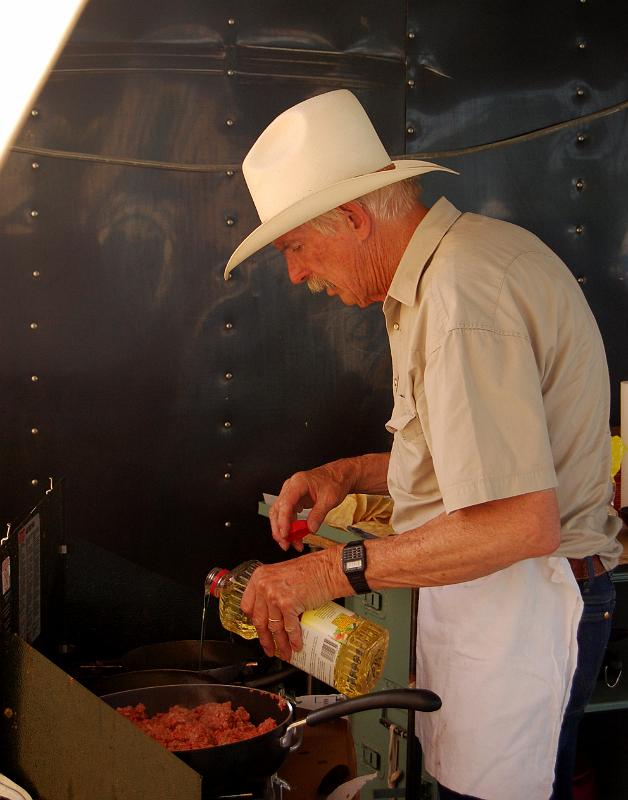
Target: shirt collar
{"points": [[421, 246]]}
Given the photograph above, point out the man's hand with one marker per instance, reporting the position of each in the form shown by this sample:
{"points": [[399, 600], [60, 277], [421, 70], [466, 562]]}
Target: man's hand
{"points": [[322, 489], [278, 594]]}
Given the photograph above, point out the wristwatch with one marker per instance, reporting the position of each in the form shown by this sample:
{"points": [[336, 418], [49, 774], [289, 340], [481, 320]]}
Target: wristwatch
{"points": [[354, 566]]}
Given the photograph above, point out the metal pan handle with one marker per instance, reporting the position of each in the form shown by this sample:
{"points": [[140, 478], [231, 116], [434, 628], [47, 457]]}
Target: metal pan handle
{"points": [[412, 699]]}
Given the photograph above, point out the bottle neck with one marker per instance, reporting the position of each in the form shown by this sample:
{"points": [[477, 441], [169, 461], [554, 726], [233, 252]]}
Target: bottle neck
{"points": [[215, 581]]}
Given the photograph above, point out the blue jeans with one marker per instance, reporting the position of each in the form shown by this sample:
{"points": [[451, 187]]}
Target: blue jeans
{"points": [[598, 595]]}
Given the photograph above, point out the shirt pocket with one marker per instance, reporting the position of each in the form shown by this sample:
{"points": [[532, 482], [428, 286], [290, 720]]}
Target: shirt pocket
{"points": [[405, 421]]}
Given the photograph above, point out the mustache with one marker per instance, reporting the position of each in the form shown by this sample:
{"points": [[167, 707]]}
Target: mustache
{"points": [[317, 285]]}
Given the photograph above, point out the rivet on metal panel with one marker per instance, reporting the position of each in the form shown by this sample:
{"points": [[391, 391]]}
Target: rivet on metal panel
{"points": [[227, 524], [34, 213], [36, 273], [581, 137], [579, 184], [410, 130], [230, 221], [228, 326], [229, 123], [34, 326], [580, 92], [226, 423], [579, 229], [410, 83], [582, 44], [34, 431], [231, 73], [411, 34], [34, 482], [228, 375], [34, 113], [581, 279], [35, 165], [231, 21], [34, 378], [227, 475], [230, 173]]}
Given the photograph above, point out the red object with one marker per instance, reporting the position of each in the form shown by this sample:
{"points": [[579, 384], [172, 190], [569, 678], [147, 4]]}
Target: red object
{"points": [[298, 530], [617, 496], [584, 786], [205, 725], [217, 577]]}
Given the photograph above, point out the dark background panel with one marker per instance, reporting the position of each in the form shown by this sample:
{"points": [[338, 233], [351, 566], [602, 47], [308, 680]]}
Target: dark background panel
{"points": [[490, 70], [168, 399], [324, 25]]}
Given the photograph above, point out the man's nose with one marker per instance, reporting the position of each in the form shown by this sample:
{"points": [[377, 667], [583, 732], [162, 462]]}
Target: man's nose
{"points": [[296, 272]]}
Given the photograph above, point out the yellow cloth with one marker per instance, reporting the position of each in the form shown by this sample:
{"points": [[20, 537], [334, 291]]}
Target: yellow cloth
{"points": [[370, 512]]}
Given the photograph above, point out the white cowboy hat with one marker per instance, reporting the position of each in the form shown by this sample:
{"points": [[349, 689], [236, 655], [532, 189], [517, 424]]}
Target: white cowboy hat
{"points": [[313, 157]]}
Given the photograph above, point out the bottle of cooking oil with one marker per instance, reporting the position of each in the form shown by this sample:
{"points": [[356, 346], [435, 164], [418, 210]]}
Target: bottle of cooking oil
{"points": [[339, 647]]}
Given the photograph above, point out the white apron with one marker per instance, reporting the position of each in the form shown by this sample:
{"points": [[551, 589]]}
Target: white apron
{"points": [[501, 652]]}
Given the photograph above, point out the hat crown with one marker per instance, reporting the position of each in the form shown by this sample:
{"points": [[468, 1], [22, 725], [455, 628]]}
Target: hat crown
{"points": [[311, 146]]}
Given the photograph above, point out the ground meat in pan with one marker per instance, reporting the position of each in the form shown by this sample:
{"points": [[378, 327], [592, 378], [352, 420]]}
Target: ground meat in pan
{"points": [[207, 725]]}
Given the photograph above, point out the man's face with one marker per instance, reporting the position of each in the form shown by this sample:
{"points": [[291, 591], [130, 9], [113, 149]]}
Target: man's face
{"points": [[326, 262]]}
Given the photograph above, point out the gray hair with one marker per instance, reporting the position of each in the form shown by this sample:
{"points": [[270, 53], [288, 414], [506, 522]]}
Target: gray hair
{"points": [[383, 204]]}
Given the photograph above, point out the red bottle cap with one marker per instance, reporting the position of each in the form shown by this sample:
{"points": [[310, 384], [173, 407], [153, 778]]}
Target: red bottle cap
{"points": [[219, 574], [298, 530]]}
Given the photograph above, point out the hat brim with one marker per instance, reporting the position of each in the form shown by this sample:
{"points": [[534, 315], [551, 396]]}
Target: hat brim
{"points": [[320, 202]]}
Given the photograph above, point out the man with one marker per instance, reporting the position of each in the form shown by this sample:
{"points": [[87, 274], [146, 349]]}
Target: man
{"points": [[500, 464]]}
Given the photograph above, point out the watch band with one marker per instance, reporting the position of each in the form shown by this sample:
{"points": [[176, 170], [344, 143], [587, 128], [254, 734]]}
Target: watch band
{"points": [[354, 566]]}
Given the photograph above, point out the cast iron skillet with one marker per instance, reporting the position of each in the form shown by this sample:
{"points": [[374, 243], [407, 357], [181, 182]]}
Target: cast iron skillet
{"points": [[263, 755]]}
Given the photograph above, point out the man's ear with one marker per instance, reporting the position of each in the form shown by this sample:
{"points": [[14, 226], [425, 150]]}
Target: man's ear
{"points": [[358, 219]]}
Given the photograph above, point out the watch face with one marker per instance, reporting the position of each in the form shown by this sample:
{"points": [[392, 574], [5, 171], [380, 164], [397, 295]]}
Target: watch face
{"points": [[353, 560]]}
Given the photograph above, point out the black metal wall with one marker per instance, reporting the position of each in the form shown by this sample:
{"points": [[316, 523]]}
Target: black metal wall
{"points": [[169, 399]]}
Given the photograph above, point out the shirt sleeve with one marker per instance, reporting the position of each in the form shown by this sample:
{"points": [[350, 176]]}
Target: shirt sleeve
{"points": [[483, 417]]}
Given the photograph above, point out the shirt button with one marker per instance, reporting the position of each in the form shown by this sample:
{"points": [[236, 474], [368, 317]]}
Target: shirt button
{"points": [[396, 383], [396, 326]]}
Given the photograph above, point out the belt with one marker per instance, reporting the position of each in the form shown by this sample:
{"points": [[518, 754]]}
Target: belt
{"points": [[581, 570]]}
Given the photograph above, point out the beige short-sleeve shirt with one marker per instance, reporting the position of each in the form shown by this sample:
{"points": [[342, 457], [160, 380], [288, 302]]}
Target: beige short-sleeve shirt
{"points": [[500, 380]]}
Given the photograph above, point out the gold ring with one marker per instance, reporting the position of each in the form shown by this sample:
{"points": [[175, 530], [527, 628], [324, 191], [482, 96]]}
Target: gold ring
{"points": [[289, 630], [270, 619]]}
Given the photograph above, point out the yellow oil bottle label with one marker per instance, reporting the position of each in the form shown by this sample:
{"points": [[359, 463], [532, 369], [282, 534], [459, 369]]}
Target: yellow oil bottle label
{"points": [[324, 630]]}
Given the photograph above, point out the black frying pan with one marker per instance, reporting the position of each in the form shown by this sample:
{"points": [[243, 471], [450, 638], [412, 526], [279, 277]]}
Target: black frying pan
{"points": [[168, 663], [263, 755]]}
